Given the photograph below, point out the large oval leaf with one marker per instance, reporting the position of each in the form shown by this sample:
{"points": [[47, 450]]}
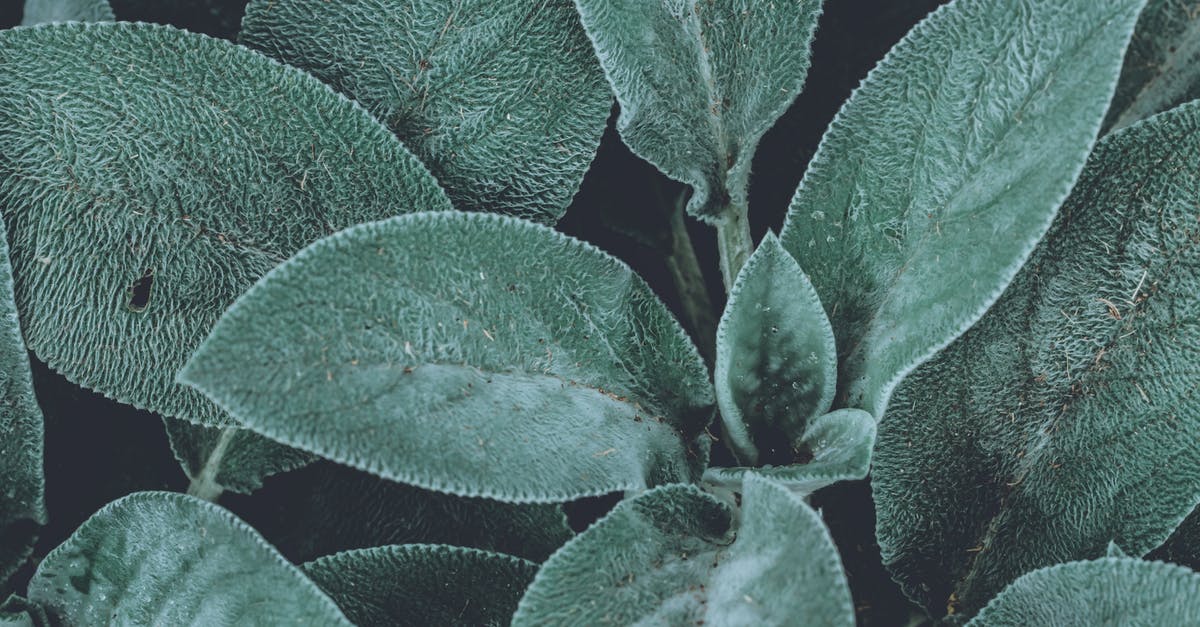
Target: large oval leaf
{"points": [[503, 99], [1162, 67], [169, 559], [942, 172], [1043, 432], [46, 11], [467, 353], [148, 176]]}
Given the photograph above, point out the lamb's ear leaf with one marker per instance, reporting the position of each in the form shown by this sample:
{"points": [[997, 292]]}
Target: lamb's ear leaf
{"points": [[1106, 591], [468, 353], [423, 584], [502, 99], [1114, 550], [776, 363], [172, 559], [1162, 66], [941, 173], [228, 458], [700, 82], [1068, 398], [669, 556], [130, 232], [835, 447], [326, 508], [16, 611], [47, 11]]}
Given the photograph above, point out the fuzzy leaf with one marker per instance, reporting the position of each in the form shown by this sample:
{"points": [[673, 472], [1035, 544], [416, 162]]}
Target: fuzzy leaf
{"points": [[170, 559], [503, 99], [153, 176], [1042, 434], [1162, 66], [669, 556], [776, 363], [466, 353], [228, 458], [942, 172], [1108, 591], [700, 82], [423, 584], [46, 11]]}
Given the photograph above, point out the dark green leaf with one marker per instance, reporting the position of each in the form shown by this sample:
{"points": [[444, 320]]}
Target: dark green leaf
{"points": [[1162, 67], [503, 99], [18, 612], [45, 11], [942, 172], [153, 176], [1183, 547], [228, 458]]}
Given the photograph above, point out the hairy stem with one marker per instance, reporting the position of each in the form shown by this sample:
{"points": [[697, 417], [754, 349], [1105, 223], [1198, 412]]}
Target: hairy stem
{"points": [[204, 485], [690, 284], [734, 243]]}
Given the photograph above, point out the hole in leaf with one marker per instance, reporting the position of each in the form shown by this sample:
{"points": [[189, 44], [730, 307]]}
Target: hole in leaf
{"points": [[139, 292]]}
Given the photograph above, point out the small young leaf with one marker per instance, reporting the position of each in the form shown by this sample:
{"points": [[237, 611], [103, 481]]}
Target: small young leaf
{"points": [[228, 458], [944, 169], [700, 82], [1114, 550], [170, 559], [46, 11], [1162, 66], [153, 176], [467, 353], [503, 99], [669, 556], [423, 585], [776, 363], [1043, 432], [1108, 591]]}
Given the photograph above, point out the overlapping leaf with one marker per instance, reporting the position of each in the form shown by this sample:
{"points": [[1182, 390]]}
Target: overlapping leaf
{"points": [[46, 11], [228, 458], [1162, 67]]}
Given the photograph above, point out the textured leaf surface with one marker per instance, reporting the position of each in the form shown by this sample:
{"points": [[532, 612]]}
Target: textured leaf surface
{"points": [[170, 559], [45, 11], [228, 458], [1109, 591], [423, 585], [153, 175], [669, 557], [466, 353], [942, 171], [776, 364], [503, 99], [1047, 430], [700, 82], [1162, 66]]}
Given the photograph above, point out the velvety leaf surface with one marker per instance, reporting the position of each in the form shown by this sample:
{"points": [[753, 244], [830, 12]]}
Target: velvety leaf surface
{"points": [[700, 82], [423, 585], [1108, 591], [670, 556], [45, 11], [170, 559], [1069, 415], [228, 458], [502, 99], [466, 353], [1162, 66], [776, 364], [944, 169], [148, 176]]}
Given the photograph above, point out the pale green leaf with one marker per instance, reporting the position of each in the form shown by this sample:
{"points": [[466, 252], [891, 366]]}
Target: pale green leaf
{"points": [[170, 559], [467, 353], [944, 169], [674, 556], [1162, 66], [228, 458], [46, 11], [153, 176], [700, 82], [1109, 591], [502, 99], [776, 364], [1046, 430], [423, 585]]}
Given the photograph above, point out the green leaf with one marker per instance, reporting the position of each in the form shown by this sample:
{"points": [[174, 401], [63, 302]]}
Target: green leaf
{"points": [[170, 559], [1108, 591], [1162, 66], [18, 612], [467, 353], [672, 556], [1042, 433], [503, 99], [326, 508], [776, 363], [942, 172], [229, 458], [423, 585], [700, 82], [153, 176], [1183, 547], [834, 447], [46, 11]]}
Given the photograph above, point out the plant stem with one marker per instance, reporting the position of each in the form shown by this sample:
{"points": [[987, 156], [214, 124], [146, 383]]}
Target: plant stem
{"points": [[690, 284], [734, 243], [204, 485]]}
